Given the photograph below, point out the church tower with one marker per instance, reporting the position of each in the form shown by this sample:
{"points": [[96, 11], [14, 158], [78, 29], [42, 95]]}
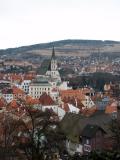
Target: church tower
{"points": [[53, 61], [53, 68]]}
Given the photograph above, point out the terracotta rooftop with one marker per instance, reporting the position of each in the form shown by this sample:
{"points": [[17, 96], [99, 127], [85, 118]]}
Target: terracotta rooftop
{"points": [[17, 90], [13, 90], [111, 108], [15, 77], [29, 77], [72, 93], [31, 101], [74, 101], [46, 100], [65, 107], [13, 104], [89, 111], [2, 102]]}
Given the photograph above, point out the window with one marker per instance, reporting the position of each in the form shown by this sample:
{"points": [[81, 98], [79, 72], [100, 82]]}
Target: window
{"points": [[87, 141], [87, 148]]}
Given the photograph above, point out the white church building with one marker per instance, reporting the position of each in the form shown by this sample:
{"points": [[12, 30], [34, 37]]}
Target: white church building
{"points": [[50, 83]]}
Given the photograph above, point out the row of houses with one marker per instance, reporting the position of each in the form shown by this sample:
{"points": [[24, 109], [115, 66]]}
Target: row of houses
{"points": [[84, 115]]}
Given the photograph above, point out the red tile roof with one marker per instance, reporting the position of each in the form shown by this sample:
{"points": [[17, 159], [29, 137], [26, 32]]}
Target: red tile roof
{"points": [[14, 104], [16, 77], [46, 100], [31, 101], [72, 93], [17, 90], [2, 102], [111, 108], [65, 107], [29, 76], [89, 111], [13, 90], [74, 101]]}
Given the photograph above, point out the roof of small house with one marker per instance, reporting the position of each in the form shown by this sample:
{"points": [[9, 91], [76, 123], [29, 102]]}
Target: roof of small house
{"points": [[31, 101], [65, 107], [16, 77], [14, 104], [2, 102], [13, 90], [111, 108], [90, 130], [17, 90], [73, 124], [7, 91]]}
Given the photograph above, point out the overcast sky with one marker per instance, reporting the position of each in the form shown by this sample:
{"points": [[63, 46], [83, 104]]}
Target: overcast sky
{"points": [[25, 22]]}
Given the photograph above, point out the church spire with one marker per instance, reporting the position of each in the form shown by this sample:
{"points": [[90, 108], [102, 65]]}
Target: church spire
{"points": [[53, 53]]}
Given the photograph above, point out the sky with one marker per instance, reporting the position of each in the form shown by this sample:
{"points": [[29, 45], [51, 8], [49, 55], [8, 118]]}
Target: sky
{"points": [[26, 22]]}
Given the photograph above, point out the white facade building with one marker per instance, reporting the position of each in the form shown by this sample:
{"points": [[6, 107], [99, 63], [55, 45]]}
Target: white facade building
{"points": [[38, 87], [25, 85]]}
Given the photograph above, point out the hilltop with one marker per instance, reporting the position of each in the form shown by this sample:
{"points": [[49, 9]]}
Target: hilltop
{"points": [[63, 47]]}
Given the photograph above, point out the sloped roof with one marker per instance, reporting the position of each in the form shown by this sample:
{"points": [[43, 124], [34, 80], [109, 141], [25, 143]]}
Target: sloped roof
{"points": [[90, 130], [2, 102], [111, 108], [74, 101], [14, 104], [65, 107], [31, 101], [16, 77], [73, 124], [17, 90], [72, 93], [44, 67], [89, 111], [7, 91], [29, 76], [41, 81], [46, 100]]}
